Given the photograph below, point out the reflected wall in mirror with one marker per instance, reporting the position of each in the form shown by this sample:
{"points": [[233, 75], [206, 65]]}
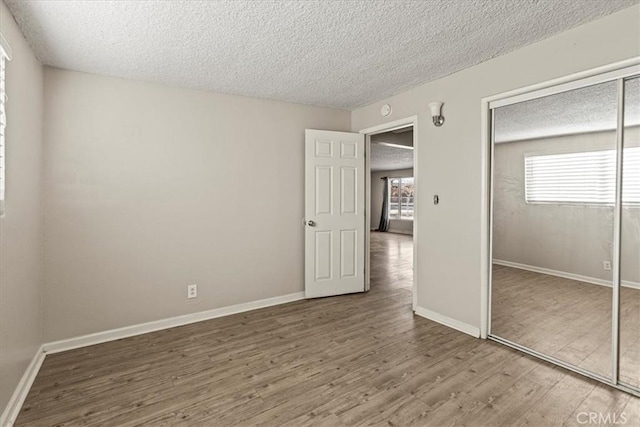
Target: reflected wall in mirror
{"points": [[630, 239], [554, 174]]}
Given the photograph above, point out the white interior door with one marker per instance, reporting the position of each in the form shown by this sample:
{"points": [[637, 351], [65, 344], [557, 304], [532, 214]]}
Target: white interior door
{"points": [[334, 213]]}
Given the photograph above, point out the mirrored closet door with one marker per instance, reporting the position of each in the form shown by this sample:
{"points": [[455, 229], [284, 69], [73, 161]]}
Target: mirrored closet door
{"points": [[630, 239], [565, 244]]}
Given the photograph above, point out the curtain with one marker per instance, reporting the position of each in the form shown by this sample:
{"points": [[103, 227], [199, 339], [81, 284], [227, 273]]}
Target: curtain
{"points": [[384, 218]]}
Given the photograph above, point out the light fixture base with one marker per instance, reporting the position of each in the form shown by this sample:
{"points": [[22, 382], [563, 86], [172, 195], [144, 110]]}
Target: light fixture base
{"points": [[436, 113]]}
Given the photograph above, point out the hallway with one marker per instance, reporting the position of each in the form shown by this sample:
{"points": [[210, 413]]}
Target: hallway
{"points": [[391, 260]]}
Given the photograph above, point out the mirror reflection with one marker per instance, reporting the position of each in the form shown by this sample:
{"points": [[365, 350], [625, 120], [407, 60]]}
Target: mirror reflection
{"points": [[553, 224], [630, 240]]}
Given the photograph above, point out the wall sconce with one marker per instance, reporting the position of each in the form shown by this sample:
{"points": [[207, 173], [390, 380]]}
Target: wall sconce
{"points": [[436, 113]]}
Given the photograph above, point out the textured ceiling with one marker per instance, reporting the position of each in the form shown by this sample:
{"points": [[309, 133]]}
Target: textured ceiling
{"points": [[385, 158], [589, 109], [341, 54]]}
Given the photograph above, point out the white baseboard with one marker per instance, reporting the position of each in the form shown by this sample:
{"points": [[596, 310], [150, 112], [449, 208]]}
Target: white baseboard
{"points": [[447, 321], [12, 410], [14, 406], [143, 328], [565, 275]]}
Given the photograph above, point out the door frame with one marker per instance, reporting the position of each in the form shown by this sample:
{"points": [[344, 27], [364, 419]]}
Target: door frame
{"points": [[368, 132], [611, 72]]}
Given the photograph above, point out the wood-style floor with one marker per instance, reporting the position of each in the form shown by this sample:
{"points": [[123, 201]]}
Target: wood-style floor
{"points": [[567, 319], [349, 360]]}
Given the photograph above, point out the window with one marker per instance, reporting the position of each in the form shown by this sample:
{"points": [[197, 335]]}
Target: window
{"points": [[401, 198], [587, 178], [3, 123]]}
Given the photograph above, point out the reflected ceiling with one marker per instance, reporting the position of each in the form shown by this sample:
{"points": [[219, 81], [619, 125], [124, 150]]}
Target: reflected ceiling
{"points": [[590, 109]]}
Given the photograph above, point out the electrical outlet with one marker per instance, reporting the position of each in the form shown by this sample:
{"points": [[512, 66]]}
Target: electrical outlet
{"points": [[192, 291], [606, 265]]}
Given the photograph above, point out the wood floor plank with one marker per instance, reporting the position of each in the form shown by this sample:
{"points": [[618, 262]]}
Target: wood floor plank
{"points": [[361, 359], [560, 400], [604, 400]]}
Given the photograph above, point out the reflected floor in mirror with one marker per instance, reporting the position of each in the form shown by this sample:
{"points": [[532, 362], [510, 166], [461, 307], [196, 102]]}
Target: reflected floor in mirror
{"points": [[566, 319]]}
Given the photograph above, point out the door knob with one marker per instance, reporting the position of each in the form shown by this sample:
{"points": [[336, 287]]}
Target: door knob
{"points": [[311, 223]]}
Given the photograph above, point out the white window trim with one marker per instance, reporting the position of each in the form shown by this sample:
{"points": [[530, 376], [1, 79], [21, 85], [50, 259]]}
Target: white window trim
{"points": [[400, 178], [6, 47], [5, 55]]}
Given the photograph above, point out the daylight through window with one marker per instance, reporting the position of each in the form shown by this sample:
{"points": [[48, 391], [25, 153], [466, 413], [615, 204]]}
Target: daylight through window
{"points": [[587, 178], [401, 198]]}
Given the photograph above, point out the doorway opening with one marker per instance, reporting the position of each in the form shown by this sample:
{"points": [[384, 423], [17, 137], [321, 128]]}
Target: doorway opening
{"points": [[338, 204], [391, 203]]}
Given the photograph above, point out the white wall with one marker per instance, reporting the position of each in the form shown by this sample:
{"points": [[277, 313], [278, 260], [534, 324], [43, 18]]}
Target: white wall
{"points": [[150, 188], [377, 189], [573, 239], [21, 225], [449, 259]]}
